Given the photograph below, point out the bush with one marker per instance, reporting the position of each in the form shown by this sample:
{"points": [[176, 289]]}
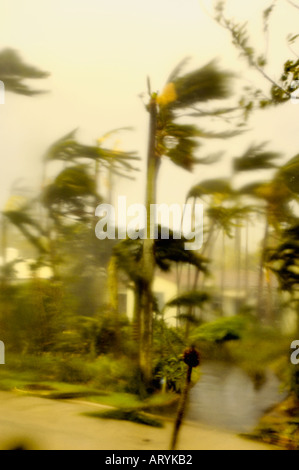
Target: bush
{"points": [[115, 374], [73, 371]]}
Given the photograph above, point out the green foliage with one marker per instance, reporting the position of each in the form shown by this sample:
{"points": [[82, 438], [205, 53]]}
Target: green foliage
{"points": [[73, 371], [169, 345], [128, 254], [201, 85], [214, 187], [37, 310], [173, 372], [290, 174], [282, 89], [222, 330], [256, 158], [189, 299], [115, 374], [68, 194], [262, 348], [28, 226], [227, 218], [284, 260], [68, 149], [13, 72], [127, 415], [178, 141]]}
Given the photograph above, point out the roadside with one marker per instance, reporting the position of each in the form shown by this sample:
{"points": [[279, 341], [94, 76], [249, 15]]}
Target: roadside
{"points": [[39, 423]]}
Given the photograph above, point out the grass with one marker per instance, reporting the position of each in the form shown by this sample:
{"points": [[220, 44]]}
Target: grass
{"points": [[133, 416], [118, 400], [31, 383]]}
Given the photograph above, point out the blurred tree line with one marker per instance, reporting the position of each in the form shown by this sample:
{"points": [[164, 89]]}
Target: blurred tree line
{"points": [[74, 309]]}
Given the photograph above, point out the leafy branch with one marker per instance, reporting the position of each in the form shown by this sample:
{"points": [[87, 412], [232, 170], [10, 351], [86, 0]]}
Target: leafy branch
{"points": [[283, 89]]}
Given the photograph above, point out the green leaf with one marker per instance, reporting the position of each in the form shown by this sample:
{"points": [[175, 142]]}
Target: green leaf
{"points": [[189, 299]]}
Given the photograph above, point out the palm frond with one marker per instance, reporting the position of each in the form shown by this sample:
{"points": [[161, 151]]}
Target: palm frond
{"points": [[201, 85], [290, 174], [256, 158], [212, 187], [13, 72], [189, 299]]}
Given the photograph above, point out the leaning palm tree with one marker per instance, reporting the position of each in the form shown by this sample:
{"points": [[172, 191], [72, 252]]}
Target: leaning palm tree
{"points": [[224, 214], [256, 158], [274, 204], [168, 137], [13, 72]]}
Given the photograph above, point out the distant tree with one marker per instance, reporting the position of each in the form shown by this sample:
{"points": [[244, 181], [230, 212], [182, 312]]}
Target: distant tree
{"points": [[14, 71]]}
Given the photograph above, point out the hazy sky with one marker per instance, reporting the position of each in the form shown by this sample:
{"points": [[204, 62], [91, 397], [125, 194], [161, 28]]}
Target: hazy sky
{"points": [[99, 53]]}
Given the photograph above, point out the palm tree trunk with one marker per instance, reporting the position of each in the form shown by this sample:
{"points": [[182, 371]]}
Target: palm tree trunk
{"points": [[238, 252], [145, 359], [223, 266], [260, 297], [205, 249], [269, 305], [178, 284], [247, 261], [136, 316], [113, 300]]}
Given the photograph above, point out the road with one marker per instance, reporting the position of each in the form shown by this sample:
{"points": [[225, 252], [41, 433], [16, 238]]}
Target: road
{"points": [[42, 424]]}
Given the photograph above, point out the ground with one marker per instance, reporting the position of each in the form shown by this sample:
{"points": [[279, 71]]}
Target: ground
{"points": [[44, 424]]}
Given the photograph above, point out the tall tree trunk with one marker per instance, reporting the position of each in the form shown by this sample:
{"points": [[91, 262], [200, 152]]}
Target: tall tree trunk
{"points": [[178, 283], [223, 266], [260, 297], [238, 252], [247, 290], [136, 315], [204, 253], [192, 310], [113, 300], [148, 261]]}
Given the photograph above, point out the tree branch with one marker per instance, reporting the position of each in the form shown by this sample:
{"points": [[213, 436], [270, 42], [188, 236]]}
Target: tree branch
{"points": [[293, 4], [241, 41]]}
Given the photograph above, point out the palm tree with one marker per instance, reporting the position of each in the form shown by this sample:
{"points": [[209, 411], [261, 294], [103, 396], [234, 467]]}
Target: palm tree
{"points": [[224, 213], [256, 158], [178, 142], [128, 256], [275, 198], [75, 191], [13, 72]]}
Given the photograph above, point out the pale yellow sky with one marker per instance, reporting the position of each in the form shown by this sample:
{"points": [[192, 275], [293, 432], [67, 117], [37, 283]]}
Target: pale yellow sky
{"points": [[99, 53]]}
